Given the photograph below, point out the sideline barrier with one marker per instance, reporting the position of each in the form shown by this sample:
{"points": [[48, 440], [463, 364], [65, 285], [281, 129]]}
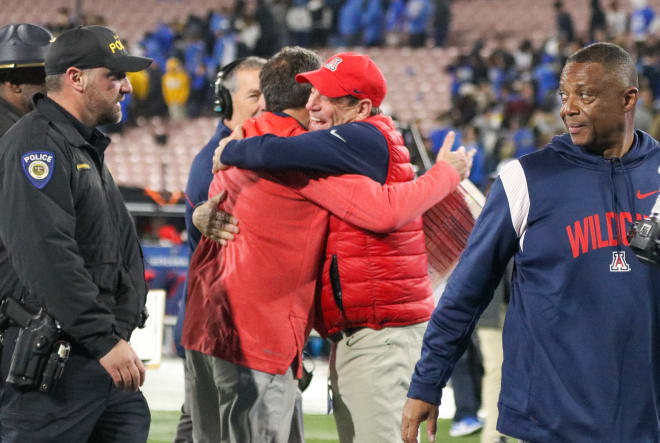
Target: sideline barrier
{"points": [[148, 342]]}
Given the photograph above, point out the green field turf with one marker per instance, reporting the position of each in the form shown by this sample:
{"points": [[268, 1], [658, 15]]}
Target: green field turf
{"points": [[318, 429]]}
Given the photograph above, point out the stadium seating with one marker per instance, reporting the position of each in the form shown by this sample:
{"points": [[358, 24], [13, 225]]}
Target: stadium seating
{"points": [[417, 81], [135, 158], [471, 19]]}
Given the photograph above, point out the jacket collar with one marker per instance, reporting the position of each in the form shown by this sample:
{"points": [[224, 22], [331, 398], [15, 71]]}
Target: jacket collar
{"points": [[75, 134], [13, 113]]}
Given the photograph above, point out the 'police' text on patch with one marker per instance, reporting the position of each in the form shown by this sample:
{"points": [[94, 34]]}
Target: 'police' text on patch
{"points": [[38, 167]]}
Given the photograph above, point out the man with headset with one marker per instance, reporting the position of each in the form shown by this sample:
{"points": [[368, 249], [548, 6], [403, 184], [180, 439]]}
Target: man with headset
{"points": [[237, 98]]}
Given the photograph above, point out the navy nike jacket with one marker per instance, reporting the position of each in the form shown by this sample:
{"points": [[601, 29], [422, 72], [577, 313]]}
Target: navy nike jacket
{"points": [[582, 333]]}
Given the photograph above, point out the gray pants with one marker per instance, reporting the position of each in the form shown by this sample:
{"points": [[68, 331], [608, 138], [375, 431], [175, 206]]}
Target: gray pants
{"points": [[184, 428], [297, 434], [236, 404]]}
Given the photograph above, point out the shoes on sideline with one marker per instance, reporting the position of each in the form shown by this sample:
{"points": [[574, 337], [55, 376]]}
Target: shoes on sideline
{"points": [[465, 426]]}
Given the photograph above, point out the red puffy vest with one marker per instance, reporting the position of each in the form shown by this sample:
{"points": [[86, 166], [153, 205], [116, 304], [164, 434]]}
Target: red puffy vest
{"points": [[384, 278]]}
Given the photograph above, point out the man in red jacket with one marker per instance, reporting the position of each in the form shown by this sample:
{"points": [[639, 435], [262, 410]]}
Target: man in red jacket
{"points": [[254, 297]]}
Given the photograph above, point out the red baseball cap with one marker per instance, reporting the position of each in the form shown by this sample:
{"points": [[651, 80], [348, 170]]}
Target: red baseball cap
{"points": [[348, 73]]}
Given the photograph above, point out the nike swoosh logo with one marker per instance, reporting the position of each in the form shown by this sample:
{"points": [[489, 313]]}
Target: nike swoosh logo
{"points": [[334, 132], [647, 194]]}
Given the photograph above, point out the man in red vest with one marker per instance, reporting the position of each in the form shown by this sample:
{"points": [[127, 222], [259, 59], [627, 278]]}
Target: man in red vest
{"points": [[254, 297]]}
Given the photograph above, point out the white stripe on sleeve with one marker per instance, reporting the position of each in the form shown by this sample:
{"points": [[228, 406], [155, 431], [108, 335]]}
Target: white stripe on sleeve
{"points": [[515, 185]]}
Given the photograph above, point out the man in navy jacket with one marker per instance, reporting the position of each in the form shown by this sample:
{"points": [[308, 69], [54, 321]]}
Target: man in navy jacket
{"points": [[581, 354]]}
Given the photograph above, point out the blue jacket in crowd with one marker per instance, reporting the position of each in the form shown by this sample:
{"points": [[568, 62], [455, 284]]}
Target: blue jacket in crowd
{"points": [[373, 22], [418, 13], [582, 332], [640, 21], [395, 18], [350, 18]]}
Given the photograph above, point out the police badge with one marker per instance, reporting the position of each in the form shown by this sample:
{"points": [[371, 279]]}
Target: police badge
{"points": [[38, 167]]}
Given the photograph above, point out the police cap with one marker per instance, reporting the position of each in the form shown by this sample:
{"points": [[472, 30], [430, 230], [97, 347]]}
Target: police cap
{"points": [[23, 45], [87, 47]]}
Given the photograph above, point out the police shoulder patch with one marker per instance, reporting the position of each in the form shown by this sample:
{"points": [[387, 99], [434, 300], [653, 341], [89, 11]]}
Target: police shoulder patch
{"points": [[38, 167]]}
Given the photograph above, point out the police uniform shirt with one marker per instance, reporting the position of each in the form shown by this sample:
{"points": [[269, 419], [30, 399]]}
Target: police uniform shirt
{"points": [[8, 116], [70, 238]]}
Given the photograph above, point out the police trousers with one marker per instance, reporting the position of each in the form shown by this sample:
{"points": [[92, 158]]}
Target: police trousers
{"points": [[84, 406]]}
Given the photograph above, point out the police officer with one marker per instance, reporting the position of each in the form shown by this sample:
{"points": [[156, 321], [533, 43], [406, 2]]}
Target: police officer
{"points": [[22, 52], [74, 248]]}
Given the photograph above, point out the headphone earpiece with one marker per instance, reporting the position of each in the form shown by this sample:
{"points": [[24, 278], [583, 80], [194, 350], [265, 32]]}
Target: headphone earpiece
{"points": [[222, 103]]}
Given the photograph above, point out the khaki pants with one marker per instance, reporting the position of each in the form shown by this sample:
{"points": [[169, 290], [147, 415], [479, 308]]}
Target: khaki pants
{"points": [[490, 343], [234, 404], [370, 374]]}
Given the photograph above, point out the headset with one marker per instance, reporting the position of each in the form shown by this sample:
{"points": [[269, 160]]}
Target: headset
{"points": [[221, 96]]}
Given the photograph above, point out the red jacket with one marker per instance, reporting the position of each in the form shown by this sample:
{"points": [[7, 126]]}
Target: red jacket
{"points": [[384, 278], [251, 301]]}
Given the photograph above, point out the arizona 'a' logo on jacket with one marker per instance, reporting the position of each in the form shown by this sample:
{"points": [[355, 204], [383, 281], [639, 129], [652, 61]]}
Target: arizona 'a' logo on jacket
{"points": [[619, 263]]}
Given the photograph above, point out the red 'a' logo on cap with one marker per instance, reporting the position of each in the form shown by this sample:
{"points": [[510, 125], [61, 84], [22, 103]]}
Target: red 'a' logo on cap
{"points": [[619, 263], [332, 64]]}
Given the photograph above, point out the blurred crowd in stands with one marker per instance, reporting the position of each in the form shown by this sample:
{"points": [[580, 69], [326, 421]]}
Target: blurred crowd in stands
{"points": [[504, 99], [505, 102]]}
